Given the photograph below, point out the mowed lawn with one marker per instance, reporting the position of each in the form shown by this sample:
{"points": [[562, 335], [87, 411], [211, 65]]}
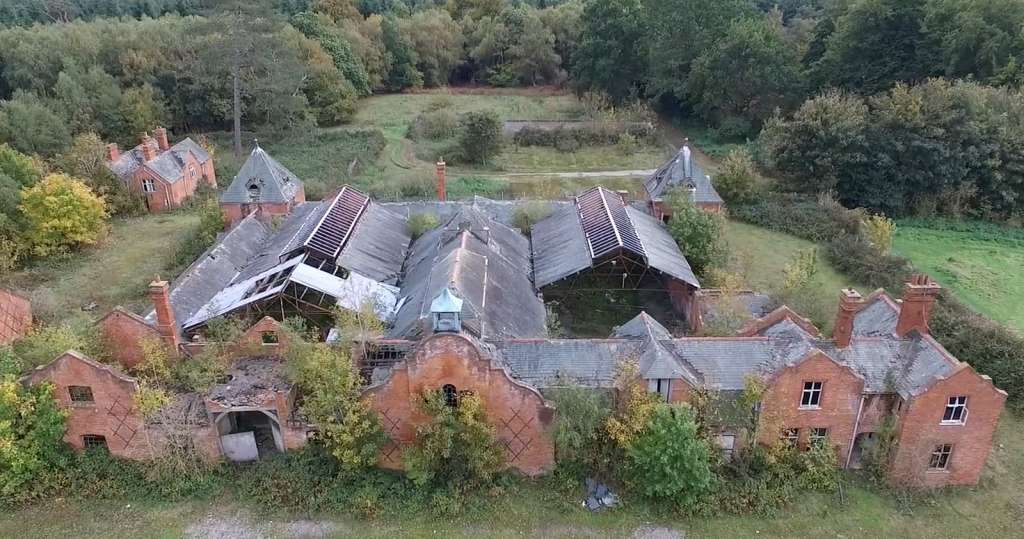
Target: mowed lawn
{"points": [[985, 267], [113, 272], [995, 508]]}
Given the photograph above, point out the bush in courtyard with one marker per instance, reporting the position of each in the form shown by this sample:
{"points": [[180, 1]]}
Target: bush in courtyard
{"points": [[668, 460], [31, 438], [528, 214], [62, 213], [421, 223], [199, 373], [480, 137], [737, 179], [698, 233], [456, 451]]}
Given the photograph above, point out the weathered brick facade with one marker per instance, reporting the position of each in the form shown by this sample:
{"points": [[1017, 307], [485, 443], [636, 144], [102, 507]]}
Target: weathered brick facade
{"points": [[164, 180], [123, 332], [15, 316], [521, 417]]}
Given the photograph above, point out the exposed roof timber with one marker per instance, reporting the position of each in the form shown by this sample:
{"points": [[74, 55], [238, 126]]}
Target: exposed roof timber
{"points": [[606, 224]]}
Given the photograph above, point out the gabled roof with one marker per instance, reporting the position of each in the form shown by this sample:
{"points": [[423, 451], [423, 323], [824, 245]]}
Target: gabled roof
{"points": [[877, 317], [485, 263], [640, 326], [42, 372], [680, 171], [168, 165], [598, 225], [261, 179]]}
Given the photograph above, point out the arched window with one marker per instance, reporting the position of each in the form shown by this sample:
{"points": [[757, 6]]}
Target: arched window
{"points": [[451, 395]]}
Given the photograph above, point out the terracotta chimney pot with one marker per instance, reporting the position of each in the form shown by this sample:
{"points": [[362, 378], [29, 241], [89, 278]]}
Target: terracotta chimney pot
{"points": [[161, 139]]}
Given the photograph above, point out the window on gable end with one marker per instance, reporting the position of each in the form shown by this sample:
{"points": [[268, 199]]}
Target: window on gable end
{"points": [[956, 410], [80, 394], [811, 396]]}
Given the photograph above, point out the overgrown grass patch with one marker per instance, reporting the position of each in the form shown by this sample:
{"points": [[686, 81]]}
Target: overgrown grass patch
{"points": [[114, 272], [981, 262]]}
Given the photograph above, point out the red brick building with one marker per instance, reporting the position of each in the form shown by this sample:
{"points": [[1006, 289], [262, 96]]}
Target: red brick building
{"points": [[15, 316], [164, 175], [263, 187]]}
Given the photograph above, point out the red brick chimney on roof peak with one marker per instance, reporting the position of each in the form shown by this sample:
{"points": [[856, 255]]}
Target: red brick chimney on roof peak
{"points": [[918, 299], [161, 139], [850, 301], [441, 179], [148, 147], [166, 325]]}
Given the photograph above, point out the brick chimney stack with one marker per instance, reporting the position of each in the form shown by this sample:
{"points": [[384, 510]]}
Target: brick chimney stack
{"points": [[113, 153], [148, 147], [161, 139], [850, 301], [441, 173], [918, 299], [166, 325]]}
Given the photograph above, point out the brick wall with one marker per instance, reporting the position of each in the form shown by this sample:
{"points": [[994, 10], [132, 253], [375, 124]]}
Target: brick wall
{"points": [[518, 412], [921, 430], [840, 400], [123, 333], [111, 414]]}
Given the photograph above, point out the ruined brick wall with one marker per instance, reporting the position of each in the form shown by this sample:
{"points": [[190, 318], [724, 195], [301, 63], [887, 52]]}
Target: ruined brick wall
{"points": [[521, 419], [112, 412], [840, 400], [681, 391], [235, 212], [921, 430], [123, 333]]}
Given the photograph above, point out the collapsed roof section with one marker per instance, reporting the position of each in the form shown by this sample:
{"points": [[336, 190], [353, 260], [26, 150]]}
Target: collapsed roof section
{"points": [[261, 179], [596, 228], [486, 264]]}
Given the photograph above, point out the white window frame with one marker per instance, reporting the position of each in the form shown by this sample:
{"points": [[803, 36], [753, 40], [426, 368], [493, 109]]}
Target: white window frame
{"points": [[727, 445], [942, 454], [815, 437], [955, 406], [148, 185], [662, 386], [812, 392]]}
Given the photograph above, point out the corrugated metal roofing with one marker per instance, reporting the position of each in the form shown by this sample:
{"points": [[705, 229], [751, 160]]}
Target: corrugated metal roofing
{"points": [[261, 179], [574, 239]]}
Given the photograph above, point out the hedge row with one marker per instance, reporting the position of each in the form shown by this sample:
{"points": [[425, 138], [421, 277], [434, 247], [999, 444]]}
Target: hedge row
{"points": [[989, 347], [569, 138]]}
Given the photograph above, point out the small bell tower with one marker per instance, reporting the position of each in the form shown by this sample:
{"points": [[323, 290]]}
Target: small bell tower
{"points": [[446, 311]]}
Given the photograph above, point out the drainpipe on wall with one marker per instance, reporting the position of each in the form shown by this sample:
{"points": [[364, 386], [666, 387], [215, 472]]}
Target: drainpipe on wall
{"points": [[856, 427]]}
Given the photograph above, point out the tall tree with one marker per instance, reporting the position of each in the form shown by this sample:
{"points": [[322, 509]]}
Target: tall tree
{"points": [[610, 55]]}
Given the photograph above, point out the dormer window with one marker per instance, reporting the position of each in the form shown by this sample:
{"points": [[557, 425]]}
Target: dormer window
{"points": [[956, 411]]}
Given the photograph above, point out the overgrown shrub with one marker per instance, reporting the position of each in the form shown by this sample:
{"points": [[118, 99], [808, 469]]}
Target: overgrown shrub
{"points": [[201, 237], [480, 136], [200, 372], [45, 343], [456, 451], [579, 428], [528, 214], [812, 218], [698, 233], [421, 223], [434, 125], [31, 439], [668, 460], [737, 179]]}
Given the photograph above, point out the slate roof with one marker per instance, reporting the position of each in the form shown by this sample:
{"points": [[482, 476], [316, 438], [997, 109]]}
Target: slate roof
{"points": [[262, 179], [680, 171], [377, 246], [486, 264], [169, 165], [544, 363], [216, 268], [641, 326], [878, 316], [599, 224], [502, 211]]}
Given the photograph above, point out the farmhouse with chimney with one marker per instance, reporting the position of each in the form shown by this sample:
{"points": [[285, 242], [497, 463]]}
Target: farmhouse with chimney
{"points": [[164, 175]]}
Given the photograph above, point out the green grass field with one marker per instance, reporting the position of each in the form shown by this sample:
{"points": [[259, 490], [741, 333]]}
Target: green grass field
{"points": [[995, 508], [114, 272], [981, 263]]}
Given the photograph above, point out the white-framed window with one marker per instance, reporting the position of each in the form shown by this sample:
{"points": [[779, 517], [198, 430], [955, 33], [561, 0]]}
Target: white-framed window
{"points": [[818, 435], [941, 455], [727, 444], [811, 396], [148, 185], [661, 386], [956, 411], [791, 437]]}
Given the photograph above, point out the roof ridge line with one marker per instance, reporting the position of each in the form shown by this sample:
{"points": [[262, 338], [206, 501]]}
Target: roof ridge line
{"points": [[608, 212]]}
